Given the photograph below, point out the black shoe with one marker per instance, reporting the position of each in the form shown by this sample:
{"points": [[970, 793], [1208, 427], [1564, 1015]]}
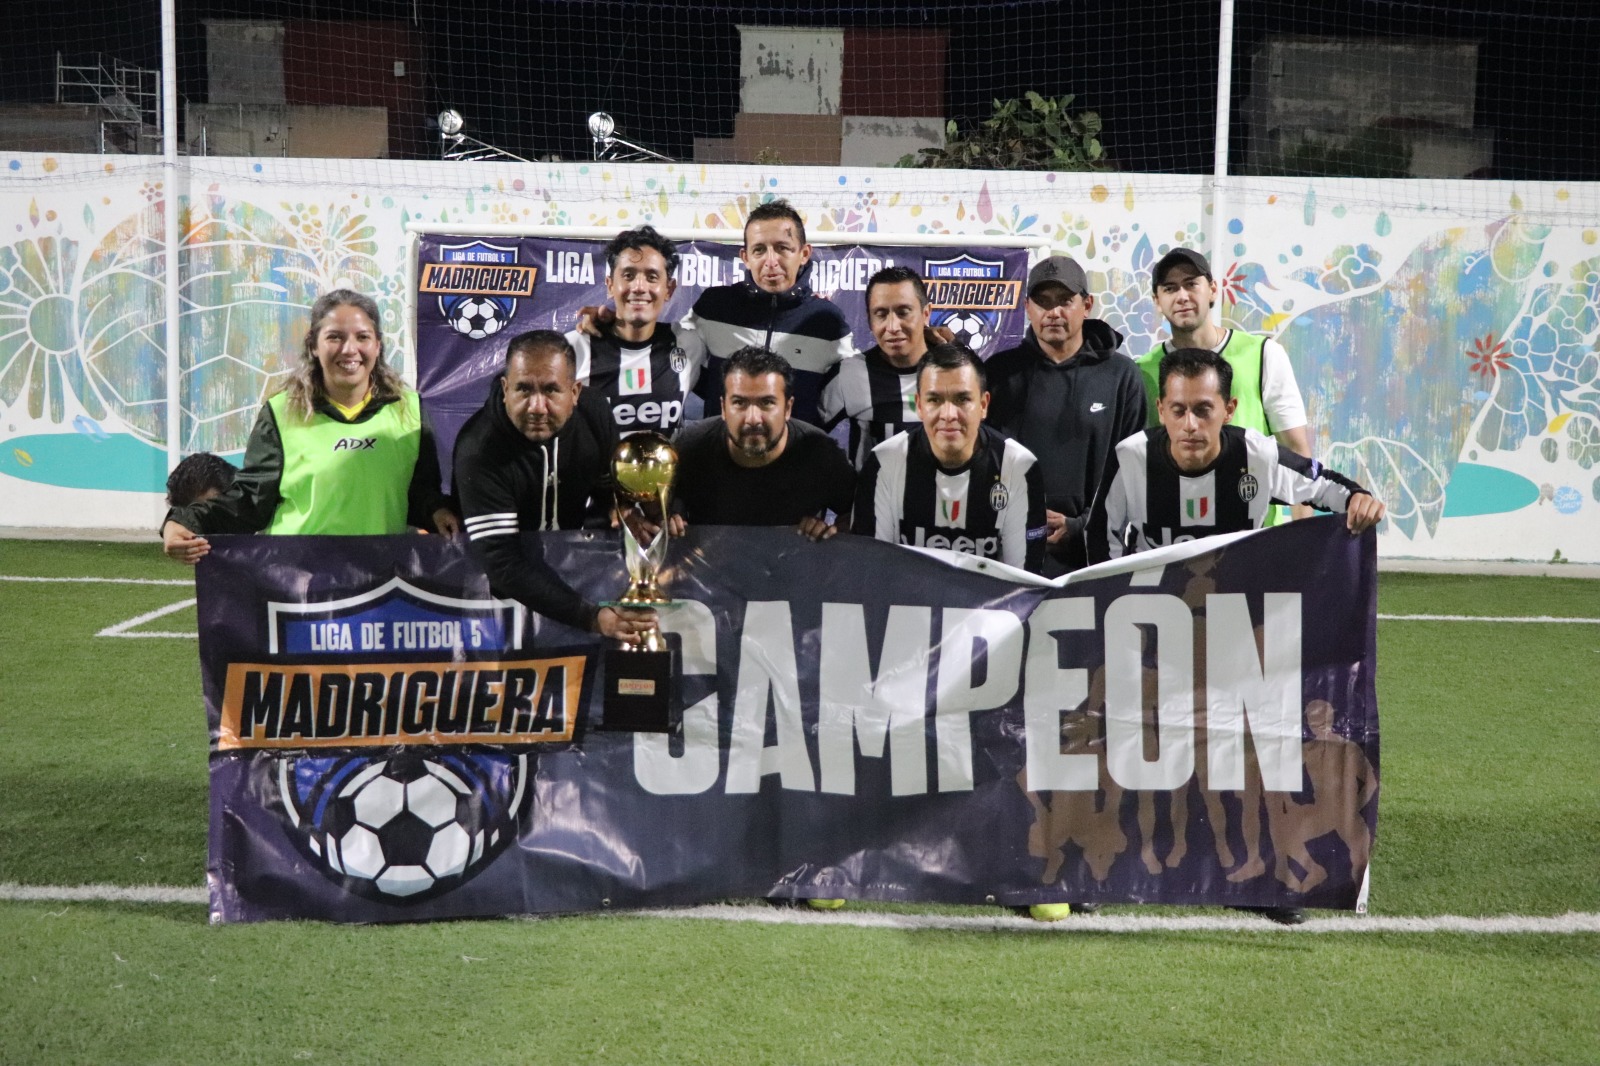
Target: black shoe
{"points": [[1281, 915]]}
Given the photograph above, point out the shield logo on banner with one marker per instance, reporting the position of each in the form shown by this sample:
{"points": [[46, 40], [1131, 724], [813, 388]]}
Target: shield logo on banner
{"points": [[967, 296], [477, 285], [400, 805]]}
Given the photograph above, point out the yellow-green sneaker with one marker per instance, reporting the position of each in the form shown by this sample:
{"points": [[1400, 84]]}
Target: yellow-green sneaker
{"points": [[825, 904]]}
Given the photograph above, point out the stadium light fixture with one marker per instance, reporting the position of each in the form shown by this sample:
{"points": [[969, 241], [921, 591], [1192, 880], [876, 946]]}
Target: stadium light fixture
{"points": [[456, 145], [611, 148]]}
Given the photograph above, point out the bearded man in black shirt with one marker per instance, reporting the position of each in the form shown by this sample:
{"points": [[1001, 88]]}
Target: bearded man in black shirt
{"points": [[754, 465]]}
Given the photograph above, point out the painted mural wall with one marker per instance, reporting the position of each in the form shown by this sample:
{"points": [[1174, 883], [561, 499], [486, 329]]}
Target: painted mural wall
{"points": [[1445, 334]]}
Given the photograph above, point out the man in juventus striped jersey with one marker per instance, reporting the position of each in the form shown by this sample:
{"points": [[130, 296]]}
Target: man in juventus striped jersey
{"points": [[953, 482], [537, 456], [641, 365], [877, 391], [1196, 476]]}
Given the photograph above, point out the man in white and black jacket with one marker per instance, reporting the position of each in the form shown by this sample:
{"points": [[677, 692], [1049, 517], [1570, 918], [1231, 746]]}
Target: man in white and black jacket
{"points": [[877, 390], [773, 309], [537, 457], [952, 482], [1196, 476]]}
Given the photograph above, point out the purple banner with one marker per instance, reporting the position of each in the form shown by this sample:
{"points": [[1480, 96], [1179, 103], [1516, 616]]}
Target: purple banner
{"points": [[859, 721], [476, 293]]}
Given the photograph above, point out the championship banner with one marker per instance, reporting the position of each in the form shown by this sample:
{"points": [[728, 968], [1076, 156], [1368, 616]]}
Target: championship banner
{"points": [[475, 293], [859, 720]]}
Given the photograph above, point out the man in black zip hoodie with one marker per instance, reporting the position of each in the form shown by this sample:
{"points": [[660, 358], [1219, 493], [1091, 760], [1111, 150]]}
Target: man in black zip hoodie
{"points": [[1068, 396], [536, 457]]}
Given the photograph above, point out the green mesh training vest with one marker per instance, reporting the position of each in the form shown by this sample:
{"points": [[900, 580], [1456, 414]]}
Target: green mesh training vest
{"points": [[1243, 353], [346, 479]]}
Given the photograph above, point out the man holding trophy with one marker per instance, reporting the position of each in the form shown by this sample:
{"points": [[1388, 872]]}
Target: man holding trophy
{"points": [[537, 457]]}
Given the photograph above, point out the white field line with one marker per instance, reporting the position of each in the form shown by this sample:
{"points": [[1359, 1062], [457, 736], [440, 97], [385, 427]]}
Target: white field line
{"points": [[120, 629], [1002, 921], [100, 580], [1485, 618], [998, 921], [14, 893]]}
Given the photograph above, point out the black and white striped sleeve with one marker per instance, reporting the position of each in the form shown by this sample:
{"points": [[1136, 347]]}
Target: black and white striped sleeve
{"points": [[880, 491], [1108, 519], [1298, 479], [1022, 523], [517, 570]]}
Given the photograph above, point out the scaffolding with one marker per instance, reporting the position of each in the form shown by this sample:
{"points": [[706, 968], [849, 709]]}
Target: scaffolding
{"points": [[127, 97]]}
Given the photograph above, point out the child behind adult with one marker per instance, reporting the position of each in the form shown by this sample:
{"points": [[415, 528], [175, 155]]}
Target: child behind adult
{"points": [[199, 477]]}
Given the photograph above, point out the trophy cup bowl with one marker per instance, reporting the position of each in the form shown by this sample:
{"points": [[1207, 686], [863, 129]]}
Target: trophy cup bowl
{"points": [[643, 467]]}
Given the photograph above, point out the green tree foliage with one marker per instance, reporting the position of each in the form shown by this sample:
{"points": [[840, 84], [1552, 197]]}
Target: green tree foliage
{"points": [[1043, 135]]}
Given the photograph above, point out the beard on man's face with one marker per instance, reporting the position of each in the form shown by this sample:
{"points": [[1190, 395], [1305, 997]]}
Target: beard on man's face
{"points": [[755, 441]]}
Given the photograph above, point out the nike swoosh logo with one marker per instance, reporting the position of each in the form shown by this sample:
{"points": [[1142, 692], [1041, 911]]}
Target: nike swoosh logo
{"points": [[1096, 407]]}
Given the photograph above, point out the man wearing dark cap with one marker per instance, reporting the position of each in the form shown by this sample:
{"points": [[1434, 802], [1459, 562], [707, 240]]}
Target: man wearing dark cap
{"points": [[1068, 396], [1268, 396]]}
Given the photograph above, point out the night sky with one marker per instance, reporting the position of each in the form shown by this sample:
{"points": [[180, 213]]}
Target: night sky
{"points": [[527, 80]]}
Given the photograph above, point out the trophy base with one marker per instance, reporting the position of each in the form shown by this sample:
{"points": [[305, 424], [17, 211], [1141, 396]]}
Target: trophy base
{"points": [[638, 691]]}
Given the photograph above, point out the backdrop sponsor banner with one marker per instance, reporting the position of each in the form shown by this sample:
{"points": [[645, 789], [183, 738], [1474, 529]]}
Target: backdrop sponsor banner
{"points": [[859, 720], [475, 293]]}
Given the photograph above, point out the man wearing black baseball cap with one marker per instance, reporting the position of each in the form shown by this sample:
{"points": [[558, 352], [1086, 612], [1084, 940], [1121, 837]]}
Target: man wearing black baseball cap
{"points": [[1067, 395], [1268, 396]]}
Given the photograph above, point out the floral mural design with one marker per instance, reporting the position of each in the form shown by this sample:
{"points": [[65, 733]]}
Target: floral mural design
{"points": [[41, 369], [1388, 371], [1346, 269], [1551, 367], [1450, 360], [250, 278], [1488, 356], [121, 304]]}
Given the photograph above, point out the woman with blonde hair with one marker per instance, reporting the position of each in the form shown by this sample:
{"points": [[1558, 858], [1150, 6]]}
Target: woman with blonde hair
{"points": [[344, 449]]}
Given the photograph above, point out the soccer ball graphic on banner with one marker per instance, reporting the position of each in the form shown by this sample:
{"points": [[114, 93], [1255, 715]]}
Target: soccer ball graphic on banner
{"points": [[404, 827], [401, 824], [477, 317], [969, 328]]}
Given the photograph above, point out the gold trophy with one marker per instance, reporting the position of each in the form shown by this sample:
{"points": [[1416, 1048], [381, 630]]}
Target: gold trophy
{"points": [[639, 676]]}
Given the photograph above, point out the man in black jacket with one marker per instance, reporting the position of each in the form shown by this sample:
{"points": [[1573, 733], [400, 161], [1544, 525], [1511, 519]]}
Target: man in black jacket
{"points": [[537, 457], [1068, 396]]}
